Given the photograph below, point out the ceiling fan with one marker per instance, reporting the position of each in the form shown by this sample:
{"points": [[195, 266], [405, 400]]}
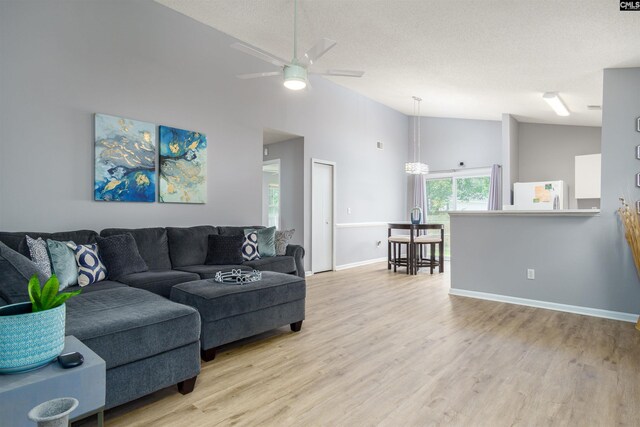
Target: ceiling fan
{"points": [[296, 71]]}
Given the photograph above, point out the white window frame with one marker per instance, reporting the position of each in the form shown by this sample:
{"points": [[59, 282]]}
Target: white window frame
{"points": [[470, 173]]}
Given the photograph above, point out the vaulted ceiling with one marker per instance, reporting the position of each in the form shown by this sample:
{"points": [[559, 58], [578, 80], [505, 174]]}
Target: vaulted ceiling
{"points": [[466, 58]]}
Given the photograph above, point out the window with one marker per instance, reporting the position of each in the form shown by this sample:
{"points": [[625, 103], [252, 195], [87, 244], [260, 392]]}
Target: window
{"points": [[274, 206], [455, 191]]}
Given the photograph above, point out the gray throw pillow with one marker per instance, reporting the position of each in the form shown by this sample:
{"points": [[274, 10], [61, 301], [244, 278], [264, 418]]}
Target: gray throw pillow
{"points": [[225, 250], [120, 255], [15, 272], [39, 254], [283, 237]]}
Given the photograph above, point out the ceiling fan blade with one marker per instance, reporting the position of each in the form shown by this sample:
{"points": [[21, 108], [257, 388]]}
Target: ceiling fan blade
{"points": [[257, 75], [320, 48], [260, 54], [343, 73]]}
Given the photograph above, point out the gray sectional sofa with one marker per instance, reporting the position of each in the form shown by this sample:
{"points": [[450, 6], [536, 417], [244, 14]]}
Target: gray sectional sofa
{"points": [[147, 340]]}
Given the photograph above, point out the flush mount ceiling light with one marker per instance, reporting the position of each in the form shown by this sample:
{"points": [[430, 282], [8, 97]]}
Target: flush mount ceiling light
{"points": [[416, 167], [555, 102]]}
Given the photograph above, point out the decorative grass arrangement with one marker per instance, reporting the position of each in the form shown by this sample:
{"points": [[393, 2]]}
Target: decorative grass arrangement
{"points": [[631, 221]]}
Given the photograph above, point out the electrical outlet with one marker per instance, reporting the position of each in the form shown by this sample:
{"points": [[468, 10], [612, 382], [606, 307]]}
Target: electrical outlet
{"points": [[531, 274], [348, 211]]}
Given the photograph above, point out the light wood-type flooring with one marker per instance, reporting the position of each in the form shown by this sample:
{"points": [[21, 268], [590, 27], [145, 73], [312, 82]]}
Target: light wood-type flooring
{"points": [[379, 348]]}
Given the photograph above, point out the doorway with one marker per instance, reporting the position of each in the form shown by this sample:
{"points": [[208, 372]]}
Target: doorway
{"points": [[283, 182], [271, 193], [323, 203]]}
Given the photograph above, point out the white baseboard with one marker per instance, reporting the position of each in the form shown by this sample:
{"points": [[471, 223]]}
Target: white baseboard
{"points": [[359, 263], [363, 224], [586, 311], [308, 273]]}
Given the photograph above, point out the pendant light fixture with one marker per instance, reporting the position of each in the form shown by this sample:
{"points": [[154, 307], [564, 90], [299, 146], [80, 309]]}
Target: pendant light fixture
{"points": [[416, 167]]}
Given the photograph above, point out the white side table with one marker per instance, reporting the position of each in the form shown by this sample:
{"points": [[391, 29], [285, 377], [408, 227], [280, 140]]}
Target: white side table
{"points": [[21, 392]]}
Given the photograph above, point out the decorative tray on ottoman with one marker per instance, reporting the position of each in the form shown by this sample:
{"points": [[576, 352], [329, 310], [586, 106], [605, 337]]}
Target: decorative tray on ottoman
{"points": [[238, 276]]}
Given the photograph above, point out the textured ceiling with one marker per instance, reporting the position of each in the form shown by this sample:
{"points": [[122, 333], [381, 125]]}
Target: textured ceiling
{"points": [[466, 58]]}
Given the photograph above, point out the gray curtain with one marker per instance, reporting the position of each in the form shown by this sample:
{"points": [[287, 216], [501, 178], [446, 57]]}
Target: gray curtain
{"points": [[495, 189], [420, 195]]}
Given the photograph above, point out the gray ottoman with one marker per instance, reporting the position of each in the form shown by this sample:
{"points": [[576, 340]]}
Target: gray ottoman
{"points": [[230, 312]]}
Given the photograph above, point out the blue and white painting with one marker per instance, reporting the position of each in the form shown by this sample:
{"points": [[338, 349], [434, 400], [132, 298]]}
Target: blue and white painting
{"points": [[125, 152], [183, 166]]}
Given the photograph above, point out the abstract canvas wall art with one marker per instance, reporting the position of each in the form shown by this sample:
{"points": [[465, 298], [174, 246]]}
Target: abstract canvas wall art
{"points": [[125, 152], [183, 166]]}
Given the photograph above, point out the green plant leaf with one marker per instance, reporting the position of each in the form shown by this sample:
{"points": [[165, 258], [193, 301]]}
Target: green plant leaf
{"points": [[34, 293], [49, 292], [63, 297]]}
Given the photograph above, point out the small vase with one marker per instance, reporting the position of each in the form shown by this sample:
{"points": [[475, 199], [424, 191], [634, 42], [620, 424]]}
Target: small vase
{"points": [[53, 413], [416, 215]]}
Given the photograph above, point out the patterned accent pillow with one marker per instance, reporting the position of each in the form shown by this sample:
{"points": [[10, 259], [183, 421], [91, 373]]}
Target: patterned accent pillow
{"points": [[250, 247], [266, 241], [282, 240], [39, 254], [90, 267]]}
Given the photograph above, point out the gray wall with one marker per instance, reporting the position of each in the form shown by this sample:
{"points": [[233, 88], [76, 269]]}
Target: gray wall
{"points": [[291, 155], [447, 142], [581, 261], [63, 61], [510, 156], [547, 152]]}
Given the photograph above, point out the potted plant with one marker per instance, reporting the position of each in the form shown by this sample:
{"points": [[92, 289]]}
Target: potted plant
{"points": [[32, 333]]}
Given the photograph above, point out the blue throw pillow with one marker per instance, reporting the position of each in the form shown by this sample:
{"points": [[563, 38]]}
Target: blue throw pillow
{"points": [[266, 241], [63, 263], [90, 267]]}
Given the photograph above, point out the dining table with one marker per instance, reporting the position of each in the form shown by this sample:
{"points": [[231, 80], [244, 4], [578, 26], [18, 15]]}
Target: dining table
{"points": [[416, 230]]}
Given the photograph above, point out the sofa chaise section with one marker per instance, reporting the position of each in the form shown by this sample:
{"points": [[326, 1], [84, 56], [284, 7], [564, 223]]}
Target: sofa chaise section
{"points": [[147, 341]]}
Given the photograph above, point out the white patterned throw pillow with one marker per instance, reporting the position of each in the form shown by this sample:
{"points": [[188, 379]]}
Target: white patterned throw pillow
{"points": [[250, 247], [283, 237], [90, 267], [39, 255]]}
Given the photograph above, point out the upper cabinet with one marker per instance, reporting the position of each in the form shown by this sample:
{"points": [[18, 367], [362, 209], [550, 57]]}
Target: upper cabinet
{"points": [[587, 184]]}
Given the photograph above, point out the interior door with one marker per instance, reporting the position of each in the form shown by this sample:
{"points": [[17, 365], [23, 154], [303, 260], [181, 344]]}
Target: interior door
{"points": [[322, 182]]}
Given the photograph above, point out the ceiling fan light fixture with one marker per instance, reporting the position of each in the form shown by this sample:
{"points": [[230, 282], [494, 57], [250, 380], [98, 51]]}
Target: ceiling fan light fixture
{"points": [[556, 103], [295, 77]]}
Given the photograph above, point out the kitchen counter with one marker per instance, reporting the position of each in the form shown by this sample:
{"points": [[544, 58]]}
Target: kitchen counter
{"points": [[565, 212]]}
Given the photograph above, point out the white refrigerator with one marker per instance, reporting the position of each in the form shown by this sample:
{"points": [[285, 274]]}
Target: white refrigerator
{"points": [[543, 195]]}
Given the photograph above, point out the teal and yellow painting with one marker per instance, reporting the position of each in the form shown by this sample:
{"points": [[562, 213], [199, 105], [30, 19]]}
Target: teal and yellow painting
{"points": [[125, 152], [183, 166]]}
